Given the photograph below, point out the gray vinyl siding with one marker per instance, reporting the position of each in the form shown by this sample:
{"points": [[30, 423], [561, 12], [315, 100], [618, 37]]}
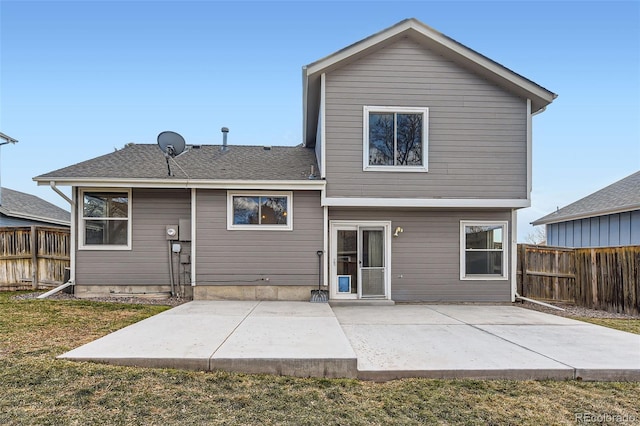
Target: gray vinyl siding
{"points": [[477, 131], [619, 229], [427, 255], [147, 263], [250, 257]]}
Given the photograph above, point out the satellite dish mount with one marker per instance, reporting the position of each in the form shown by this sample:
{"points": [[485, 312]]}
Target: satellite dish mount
{"points": [[172, 144]]}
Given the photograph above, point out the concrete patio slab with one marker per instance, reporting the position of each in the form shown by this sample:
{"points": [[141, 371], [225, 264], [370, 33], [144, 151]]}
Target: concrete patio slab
{"points": [[396, 314], [371, 342], [292, 338], [388, 352], [279, 309], [289, 345], [595, 352], [490, 314], [165, 340], [221, 308]]}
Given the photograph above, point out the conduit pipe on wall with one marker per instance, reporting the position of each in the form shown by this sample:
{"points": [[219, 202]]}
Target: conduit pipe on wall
{"points": [[172, 281]]}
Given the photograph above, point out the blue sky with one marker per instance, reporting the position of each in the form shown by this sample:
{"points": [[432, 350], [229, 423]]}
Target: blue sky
{"points": [[78, 79]]}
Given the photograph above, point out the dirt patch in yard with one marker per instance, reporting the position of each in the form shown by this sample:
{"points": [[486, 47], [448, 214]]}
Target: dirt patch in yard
{"points": [[573, 311], [171, 301]]}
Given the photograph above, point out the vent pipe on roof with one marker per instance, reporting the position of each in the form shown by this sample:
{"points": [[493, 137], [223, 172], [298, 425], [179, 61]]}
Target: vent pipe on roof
{"points": [[225, 131]]}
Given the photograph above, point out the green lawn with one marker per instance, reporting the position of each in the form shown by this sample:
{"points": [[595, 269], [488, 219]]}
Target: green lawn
{"points": [[36, 388], [630, 325]]}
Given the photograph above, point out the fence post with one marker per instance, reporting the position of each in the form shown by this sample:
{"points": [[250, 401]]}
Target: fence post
{"points": [[594, 279], [34, 257], [556, 270], [523, 267]]}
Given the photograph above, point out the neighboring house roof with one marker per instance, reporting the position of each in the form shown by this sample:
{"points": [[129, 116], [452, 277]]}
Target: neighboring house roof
{"points": [[431, 39], [619, 197], [16, 204], [199, 162]]}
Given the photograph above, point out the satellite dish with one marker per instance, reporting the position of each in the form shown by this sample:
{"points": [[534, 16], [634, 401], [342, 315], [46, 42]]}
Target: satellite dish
{"points": [[171, 143]]}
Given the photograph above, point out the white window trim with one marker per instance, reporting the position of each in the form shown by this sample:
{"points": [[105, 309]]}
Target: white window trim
{"points": [[81, 221], [425, 139], [266, 227], [505, 250]]}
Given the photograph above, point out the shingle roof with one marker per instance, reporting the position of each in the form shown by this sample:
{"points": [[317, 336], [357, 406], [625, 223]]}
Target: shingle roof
{"points": [[239, 162], [27, 206], [621, 196]]}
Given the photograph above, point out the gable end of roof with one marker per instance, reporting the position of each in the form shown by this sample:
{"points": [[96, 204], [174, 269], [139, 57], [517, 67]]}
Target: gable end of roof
{"points": [[431, 39]]}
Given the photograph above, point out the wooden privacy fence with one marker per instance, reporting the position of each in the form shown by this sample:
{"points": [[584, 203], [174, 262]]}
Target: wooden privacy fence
{"points": [[31, 257], [606, 278]]}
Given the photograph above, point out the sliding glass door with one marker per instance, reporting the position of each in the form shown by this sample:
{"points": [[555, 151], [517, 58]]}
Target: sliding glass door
{"points": [[359, 261]]}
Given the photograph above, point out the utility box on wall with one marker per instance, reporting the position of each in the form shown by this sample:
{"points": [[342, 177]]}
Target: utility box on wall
{"points": [[185, 229], [171, 232]]}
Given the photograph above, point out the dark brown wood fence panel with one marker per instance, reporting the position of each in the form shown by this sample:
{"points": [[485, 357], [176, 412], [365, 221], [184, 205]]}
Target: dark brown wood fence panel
{"points": [[610, 278], [31, 257], [605, 278], [548, 273]]}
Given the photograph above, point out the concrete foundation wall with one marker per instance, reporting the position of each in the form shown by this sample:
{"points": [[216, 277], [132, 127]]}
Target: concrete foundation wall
{"points": [[253, 292]]}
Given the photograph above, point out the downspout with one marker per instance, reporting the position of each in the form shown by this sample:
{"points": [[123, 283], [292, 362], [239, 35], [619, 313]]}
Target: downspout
{"points": [[537, 302], [72, 236], [515, 295]]}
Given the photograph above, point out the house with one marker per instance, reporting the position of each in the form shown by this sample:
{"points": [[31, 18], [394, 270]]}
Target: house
{"points": [[607, 218], [416, 156], [20, 209]]}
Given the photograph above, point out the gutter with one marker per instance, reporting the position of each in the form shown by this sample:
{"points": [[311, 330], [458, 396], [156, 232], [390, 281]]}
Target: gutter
{"points": [[281, 185], [541, 110]]}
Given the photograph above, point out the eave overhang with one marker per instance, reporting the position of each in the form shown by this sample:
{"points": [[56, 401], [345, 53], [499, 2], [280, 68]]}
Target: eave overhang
{"points": [[308, 185], [550, 220], [18, 215]]}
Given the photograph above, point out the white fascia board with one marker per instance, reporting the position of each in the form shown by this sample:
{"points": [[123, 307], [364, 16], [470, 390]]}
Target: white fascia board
{"points": [[190, 183], [550, 221], [485, 62], [365, 44], [34, 217], [443, 40], [426, 202]]}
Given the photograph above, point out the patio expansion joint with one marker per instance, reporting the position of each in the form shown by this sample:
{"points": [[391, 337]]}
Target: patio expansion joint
{"points": [[231, 334], [573, 369]]}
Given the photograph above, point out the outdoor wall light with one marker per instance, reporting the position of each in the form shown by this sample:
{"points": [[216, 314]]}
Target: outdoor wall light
{"points": [[398, 231]]}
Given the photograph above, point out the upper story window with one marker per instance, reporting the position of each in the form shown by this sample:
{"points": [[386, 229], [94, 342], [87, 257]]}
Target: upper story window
{"points": [[270, 211], [483, 250], [395, 138], [105, 220]]}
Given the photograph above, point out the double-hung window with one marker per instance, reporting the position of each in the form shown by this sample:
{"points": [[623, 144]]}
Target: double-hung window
{"points": [[483, 254], [264, 211], [395, 138], [105, 220]]}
